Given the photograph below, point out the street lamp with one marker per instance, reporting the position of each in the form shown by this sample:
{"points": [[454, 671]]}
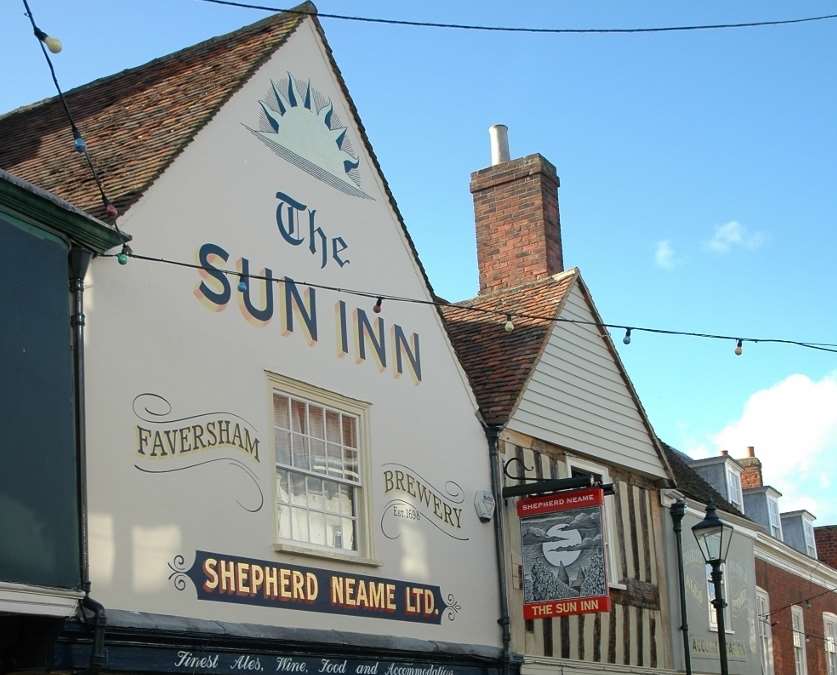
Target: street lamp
{"points": [[713, 538]]}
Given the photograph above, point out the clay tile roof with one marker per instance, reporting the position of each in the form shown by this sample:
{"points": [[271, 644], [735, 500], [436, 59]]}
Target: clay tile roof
{"points": [[498, 363], [137, 121], [691, 484]]}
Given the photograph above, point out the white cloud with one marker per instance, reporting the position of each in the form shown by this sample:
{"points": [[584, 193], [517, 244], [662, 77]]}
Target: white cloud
{"points": [[793, 426], [664, 255], [733, 234]]}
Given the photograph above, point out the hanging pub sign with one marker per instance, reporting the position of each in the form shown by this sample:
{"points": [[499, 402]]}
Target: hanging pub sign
{"points": [[564, 569]]}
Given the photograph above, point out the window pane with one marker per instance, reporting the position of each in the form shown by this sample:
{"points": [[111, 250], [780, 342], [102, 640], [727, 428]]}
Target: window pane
{"points": [[316, 418], [331, 496], [318, 456], [318, 531], [332, 426], [299, 523], [283, 447], [350, 461], [347, 531], [315, 493], [349, 431], [346, 499], [334, 532], [281, 416], [298, 490], [298, 416], [335, 461], [282, 494], [300, 450]]}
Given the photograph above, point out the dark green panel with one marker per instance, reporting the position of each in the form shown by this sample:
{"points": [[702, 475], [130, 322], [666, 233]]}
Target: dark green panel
{"points": [[39, 541]]}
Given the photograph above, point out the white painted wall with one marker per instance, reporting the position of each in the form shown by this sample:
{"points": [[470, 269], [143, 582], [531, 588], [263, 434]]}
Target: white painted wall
{"points": [[577, 398], [147, 332]]}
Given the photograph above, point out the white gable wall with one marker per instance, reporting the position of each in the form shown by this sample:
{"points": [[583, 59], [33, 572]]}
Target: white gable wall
{"points": [[148, 331], [577, 398]]}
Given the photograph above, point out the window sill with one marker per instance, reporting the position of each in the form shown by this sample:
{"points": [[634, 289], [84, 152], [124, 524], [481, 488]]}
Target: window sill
{"points": [[618, 586], [284, 547]]}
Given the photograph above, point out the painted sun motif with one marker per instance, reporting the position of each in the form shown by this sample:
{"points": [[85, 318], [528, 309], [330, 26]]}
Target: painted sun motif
{"points": [[300, 125]]}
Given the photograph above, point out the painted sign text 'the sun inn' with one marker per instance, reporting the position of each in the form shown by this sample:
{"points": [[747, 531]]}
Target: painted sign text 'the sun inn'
{"points": [[359, 334]]}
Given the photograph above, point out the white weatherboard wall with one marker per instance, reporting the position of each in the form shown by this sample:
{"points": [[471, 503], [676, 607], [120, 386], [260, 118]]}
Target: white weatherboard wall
{"points": [[578, 399], [149, 333]]}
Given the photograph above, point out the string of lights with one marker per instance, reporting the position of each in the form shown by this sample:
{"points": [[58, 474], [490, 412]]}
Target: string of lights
{"points": [[53, 44], [243, 281], [523, 29]]}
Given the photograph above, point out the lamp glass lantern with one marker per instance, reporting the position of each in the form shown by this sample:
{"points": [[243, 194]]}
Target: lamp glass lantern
{"points": [[713, 536]]}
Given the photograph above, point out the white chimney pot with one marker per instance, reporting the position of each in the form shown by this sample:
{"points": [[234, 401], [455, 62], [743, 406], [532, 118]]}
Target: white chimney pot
{"points": [[499, 134]]}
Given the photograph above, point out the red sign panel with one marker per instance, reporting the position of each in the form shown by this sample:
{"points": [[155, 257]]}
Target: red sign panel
{"points": [[564, 568]]}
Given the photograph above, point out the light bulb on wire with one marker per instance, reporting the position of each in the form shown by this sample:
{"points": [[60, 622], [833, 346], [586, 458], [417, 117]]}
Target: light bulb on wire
{"points": [[627, 339], [242, 284], [122, 257], [508, 326], [377, 306], [739, 347], [78, 141], [52, 43]]}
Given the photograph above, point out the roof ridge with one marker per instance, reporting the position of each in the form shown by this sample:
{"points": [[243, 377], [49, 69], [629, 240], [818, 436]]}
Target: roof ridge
{"points": [[270, 20], [486, 297]]}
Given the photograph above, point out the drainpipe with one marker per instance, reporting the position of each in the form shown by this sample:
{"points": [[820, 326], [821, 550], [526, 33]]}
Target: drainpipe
{"points": [[90, 609], [491, 433], [677, 511]]}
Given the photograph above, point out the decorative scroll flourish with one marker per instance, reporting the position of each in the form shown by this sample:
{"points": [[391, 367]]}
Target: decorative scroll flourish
{"points": [[400, 509], [154, 409], [179, 572], [453, 607], [228, 460]]}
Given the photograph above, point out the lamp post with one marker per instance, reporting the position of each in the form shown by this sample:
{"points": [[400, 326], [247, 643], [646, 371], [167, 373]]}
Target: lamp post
{"points": [[713, 538]]}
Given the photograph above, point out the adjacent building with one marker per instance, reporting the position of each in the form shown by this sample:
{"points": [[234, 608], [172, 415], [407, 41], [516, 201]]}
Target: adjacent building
{"points": [[551, 386], [48, 245], [796, 602], [696, 632]]}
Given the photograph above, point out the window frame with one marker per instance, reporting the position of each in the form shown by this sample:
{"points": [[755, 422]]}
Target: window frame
{"points": [[364, 553], [773, 509], [764, 630], [608, 513], [809, 538], [798, 635], [738, 500], [829, 624], [710, 592]]}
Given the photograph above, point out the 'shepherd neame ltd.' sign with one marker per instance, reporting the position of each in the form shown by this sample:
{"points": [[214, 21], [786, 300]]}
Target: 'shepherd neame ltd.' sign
{"points": [[564, 568], [228, 578]]}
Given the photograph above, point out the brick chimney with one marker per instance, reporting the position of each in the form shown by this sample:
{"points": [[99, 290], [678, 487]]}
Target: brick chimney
{"points": [[826, 538], [516, 213], [751, 476]]}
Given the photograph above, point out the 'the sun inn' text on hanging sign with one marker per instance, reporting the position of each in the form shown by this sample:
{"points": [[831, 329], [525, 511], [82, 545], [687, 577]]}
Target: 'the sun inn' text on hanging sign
{"points": [[564, 567], [227, 578], [361, 334]]}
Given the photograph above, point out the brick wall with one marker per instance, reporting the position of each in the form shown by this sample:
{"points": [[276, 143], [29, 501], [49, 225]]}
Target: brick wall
{"points": [[826, 538], [784, 589], [517, 222]]}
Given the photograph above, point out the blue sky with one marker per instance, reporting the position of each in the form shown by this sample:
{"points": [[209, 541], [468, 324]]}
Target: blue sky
{"points": [[698, 178]]}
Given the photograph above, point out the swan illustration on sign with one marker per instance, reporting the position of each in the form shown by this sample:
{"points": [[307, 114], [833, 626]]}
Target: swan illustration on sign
{"points": [[299, 124]]}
